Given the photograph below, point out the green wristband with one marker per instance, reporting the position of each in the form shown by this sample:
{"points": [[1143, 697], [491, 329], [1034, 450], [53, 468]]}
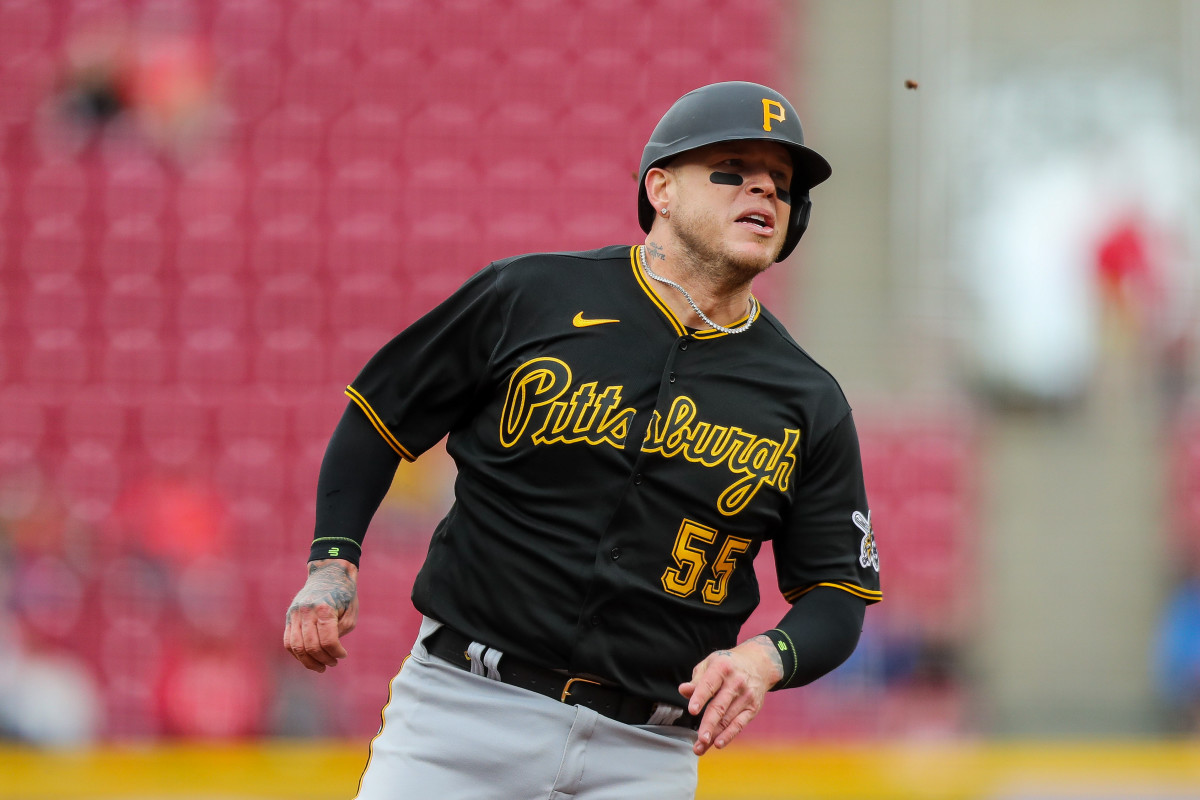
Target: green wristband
{"points": [[787, 654]]}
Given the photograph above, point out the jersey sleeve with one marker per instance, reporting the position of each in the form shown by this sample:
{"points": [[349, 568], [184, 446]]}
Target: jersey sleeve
{"points": [[418, 384], [827, 539]]}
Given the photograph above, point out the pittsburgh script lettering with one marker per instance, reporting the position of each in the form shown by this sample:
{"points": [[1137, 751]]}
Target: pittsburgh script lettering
{"points": [[543, 403]]}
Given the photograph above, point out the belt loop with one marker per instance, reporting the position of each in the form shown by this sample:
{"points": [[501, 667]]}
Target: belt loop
{"points": [[475, 652], [491, 660], [664, 714]]}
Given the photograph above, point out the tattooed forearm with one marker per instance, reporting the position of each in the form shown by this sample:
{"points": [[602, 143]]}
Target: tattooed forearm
{"points": [[765, 643], [329, 583], [655, 250]]}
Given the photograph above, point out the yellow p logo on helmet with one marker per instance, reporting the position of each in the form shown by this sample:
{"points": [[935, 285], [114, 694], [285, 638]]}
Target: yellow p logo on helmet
{"points": [[772, 110]]}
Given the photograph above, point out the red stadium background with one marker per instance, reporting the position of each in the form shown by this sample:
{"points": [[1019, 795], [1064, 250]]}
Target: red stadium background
{"points": [[212, 213]]}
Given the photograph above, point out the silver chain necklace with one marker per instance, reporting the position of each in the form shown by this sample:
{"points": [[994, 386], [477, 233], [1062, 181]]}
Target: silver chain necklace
{"points": [[739, 329]]}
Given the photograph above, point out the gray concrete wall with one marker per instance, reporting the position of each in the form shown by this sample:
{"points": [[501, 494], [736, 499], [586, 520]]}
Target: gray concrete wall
{"points": [[1071, 562]]}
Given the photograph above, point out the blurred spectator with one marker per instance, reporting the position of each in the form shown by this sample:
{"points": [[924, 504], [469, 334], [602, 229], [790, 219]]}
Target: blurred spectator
{"points": [[160, 77], [1177, 656], [46, 699], [172, 517]]}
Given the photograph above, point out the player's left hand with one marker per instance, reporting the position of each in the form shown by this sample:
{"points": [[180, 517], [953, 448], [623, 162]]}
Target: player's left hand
{"points": [[733, 683]]}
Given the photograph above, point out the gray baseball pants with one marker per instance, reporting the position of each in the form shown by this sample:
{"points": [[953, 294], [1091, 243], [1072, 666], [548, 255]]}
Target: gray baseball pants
{"points": [[450, 735]]}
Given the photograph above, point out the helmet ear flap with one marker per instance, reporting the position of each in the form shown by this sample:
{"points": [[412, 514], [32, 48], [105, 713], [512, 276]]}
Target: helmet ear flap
{"points": [[801, 210]]}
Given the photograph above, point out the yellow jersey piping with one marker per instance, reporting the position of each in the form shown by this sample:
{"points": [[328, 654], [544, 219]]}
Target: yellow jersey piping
{"points": [[382, 723], [870, 595], [679, 327], [392, 441]]}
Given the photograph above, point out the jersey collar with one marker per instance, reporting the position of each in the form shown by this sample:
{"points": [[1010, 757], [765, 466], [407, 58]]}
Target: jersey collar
{"points": [[680, 328]]}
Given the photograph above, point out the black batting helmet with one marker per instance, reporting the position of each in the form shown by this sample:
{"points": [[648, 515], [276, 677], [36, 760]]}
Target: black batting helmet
{"points": [[734, 111]]}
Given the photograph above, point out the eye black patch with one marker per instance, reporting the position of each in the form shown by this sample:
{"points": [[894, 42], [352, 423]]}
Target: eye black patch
{"points": [[730, 179]]}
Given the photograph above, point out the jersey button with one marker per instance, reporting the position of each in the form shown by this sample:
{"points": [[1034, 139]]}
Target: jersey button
{"points": [[615, 553], [672, 377], [637, 479], [683, 345], [595, 621]]}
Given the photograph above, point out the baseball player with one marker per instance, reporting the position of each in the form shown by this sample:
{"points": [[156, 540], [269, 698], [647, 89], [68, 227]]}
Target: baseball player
{"points": [[630, 426]]}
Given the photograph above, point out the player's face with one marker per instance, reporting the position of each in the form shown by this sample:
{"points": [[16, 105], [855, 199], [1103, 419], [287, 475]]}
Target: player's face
{"points": [[732, 206]]}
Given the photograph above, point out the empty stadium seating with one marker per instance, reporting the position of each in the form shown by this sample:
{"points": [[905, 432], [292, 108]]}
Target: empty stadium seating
{"points": [[179, 322]]}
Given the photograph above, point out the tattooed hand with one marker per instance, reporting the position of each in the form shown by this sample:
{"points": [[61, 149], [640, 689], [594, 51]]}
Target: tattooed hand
{"points": [[733, 683], [322, 612]]}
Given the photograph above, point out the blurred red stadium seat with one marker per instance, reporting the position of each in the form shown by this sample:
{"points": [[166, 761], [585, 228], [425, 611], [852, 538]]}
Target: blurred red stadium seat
{"points": [[534, 74], [133, 590], [56, 189], [291, 365], [89, 479], [291, 133], [133, 246], [937, 460], [679, 69], [211, 189], [212, 302], [55, 302], [58, 360], [213, 365], [211, 245], [366, 133], [25, 27], [253, 83], [253, 417], [286, 246], [365, 189], [588, 230], [426, 182], [373, 301], [362, 247], [442, 130], [175, 428], [82, 18], [94, 420], [241, 26], [136, 189], [323, 82], [250, 478], [602, 131], [313, 424], [290, 302], [468, 73], [524, 131], [22, 426], [288, 188], [605, 66], [25, 81], [393, 78], [322, 28], [135, 365], [389, 29], [350, 353], [53, 245], [524, 186], [608, 27], [135, 302]]}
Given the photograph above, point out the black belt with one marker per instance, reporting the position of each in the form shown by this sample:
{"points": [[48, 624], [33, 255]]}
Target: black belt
{"points": [[451, 646]]}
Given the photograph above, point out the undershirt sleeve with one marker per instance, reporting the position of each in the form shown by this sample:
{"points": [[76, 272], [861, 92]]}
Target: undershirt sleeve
{"points": [[355, 475], [817, 634]]}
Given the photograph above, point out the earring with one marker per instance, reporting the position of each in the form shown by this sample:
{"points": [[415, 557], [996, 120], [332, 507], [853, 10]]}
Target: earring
{"points": [[664, 212]]}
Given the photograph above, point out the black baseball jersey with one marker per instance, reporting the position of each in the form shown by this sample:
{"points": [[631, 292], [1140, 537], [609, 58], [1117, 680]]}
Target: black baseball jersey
{"points": [[617, 472]]}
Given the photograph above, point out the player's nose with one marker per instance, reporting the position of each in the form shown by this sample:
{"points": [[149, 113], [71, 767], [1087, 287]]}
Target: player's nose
{"points": [[759, 181]]}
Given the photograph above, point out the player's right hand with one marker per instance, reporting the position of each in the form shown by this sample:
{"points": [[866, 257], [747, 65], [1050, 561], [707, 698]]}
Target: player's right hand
{"points": [[321, 613]]}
